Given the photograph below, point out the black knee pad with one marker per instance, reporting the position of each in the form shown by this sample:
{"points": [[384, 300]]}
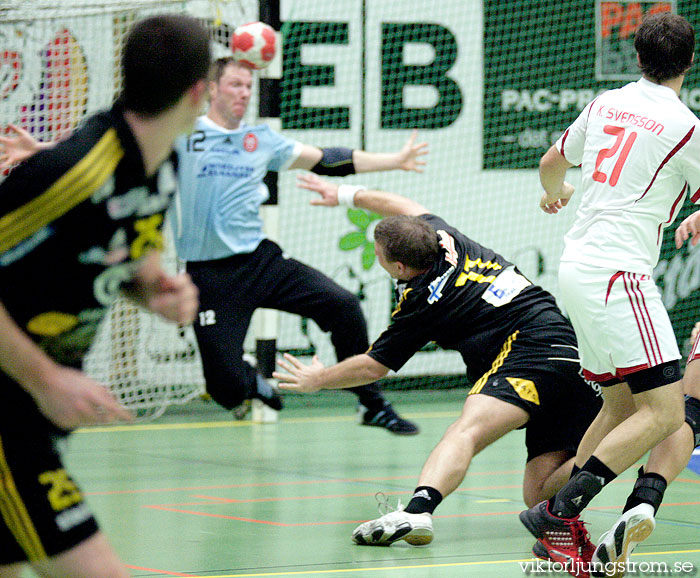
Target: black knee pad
{"points": [[692, 417]]}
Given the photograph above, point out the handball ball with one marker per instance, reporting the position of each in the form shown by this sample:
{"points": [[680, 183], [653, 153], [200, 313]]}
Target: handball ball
{"points": [[254, 44]]}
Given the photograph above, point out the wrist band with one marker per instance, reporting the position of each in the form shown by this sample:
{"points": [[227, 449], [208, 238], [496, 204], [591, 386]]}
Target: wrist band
{"points": [[346, 194]]}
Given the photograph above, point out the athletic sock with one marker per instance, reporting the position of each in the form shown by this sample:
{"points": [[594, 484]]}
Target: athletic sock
{"points": [[425, 499], [648, 489], [581, 489], [575, 470]]}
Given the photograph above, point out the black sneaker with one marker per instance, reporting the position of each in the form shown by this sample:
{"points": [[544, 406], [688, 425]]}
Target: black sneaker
{"points": [[267, 394], [387, 418]]}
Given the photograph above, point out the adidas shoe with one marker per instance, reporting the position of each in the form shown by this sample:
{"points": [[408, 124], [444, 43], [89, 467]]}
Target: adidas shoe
{"points": [[416, 529], [616, 545], [387, 418], [565, 540]]}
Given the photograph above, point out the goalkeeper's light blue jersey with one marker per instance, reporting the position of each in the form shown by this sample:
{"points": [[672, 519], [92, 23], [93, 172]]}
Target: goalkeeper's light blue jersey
{"points": [[220, 173]]}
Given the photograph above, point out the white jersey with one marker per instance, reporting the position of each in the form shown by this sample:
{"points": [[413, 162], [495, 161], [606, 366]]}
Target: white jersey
{"points": [[639, 151]]}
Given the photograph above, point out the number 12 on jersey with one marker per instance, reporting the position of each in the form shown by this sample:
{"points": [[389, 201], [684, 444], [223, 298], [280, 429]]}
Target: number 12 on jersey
{"points": [[619, 133]]}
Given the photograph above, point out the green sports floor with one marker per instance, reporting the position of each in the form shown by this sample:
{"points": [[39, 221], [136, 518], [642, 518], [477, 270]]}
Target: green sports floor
{"points": [[197, 494]]}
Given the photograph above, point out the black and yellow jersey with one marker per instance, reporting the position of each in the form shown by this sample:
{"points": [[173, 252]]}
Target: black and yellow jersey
{"points": [[471, 301], [73, 221]]}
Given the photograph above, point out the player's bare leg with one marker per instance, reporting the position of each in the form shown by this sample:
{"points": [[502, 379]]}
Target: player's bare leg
{"points": [[618, 405], [92, 558], [659, 413], [545, 475], [484, 420]]}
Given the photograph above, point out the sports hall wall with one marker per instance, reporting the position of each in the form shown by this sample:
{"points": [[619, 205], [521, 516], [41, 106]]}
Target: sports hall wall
{"points": [[488, 84]]}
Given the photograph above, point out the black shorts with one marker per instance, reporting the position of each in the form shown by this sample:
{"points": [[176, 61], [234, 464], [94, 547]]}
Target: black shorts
{"points": [[42, 511], [540, 373]]}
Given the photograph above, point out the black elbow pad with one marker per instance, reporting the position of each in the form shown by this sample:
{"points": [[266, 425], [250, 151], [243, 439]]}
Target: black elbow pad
{"points": [[335, 162]]}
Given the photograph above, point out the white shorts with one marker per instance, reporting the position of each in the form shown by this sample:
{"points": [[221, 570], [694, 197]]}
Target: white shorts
{"points": [[620, 321]]}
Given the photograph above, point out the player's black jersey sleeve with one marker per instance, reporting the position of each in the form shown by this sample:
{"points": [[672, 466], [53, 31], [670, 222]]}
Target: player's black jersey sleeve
{"points": [[470, 301]]}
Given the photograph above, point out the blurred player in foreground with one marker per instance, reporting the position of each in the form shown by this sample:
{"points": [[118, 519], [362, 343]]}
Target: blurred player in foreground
{"points": [[639, 151], [219, 233], [520, 352], [79, 222]]}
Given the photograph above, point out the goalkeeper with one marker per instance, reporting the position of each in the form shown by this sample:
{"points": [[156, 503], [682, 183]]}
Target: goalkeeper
{"points": [[219, 233], [520, 352]]}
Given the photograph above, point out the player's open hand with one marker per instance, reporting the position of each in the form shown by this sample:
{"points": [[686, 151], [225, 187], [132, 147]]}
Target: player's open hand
{"points": [[328, 191], [299, 377], [690, 227], [70, 399], [16, 148], [553, 203], [174, 297], [409, 156]]}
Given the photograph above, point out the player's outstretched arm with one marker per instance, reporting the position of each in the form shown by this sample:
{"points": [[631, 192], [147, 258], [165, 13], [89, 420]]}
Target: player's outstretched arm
{"points": [[68, 397], [406, 159], [174, 297], [356, 370], [690, 227], [340, 162], [557, 191], [380, 202]]}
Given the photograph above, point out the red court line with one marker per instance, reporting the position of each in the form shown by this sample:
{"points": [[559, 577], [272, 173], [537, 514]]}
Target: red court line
{"points": [[325, 496], [211, 500], [686, 480], [275, 484], [161, 571], [220, 500], [340, 522]]}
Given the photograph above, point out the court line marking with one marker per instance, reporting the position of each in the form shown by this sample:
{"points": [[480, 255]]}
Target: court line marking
{"points": [[167, 508], [288, 483], [165, 572], [231, 423], [411, 567]]}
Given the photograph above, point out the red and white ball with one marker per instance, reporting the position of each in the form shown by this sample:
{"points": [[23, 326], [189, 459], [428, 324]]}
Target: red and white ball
{"points": [[254, 44]]}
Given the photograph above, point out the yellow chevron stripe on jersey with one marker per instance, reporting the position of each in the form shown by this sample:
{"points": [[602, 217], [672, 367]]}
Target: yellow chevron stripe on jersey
{"points": [[468, 275], [476, 277], [471, 263], [403, 298], [15, 515], [497, 363], [71, 189]]}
